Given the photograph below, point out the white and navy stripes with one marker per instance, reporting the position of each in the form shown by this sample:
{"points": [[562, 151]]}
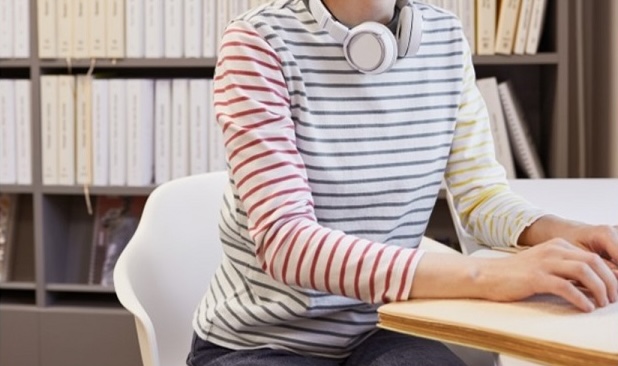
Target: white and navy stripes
{"points": [[333, 177]]}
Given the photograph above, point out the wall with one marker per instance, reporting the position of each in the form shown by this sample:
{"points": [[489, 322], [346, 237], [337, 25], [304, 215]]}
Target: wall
{"points": [[604, 89], [594, 97]]}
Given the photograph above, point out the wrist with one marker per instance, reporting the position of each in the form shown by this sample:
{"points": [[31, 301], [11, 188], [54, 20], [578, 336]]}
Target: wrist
{"points": [[488, 278], [452, 276], [549, 227]]}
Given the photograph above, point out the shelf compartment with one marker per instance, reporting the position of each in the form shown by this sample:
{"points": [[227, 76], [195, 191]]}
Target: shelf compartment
{"points": [[16, 188], [15, 63], [99, 191], [535, 88], [68, 232], [205, 63], [21, 247], [545, 58], [80, 288], [17, 296], [61, 296], [17, 285], [67, 235], [15, 72]]}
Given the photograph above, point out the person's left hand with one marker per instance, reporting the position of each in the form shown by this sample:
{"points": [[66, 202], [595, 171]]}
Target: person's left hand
{"points": [[600, 239]]}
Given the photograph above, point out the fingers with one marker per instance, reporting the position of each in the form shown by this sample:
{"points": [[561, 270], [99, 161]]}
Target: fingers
{"points": [[611, 247], [594, 276], [580, 268], [610, 264], [603, 271], [586, 269], [567, 290], [604, 242]]}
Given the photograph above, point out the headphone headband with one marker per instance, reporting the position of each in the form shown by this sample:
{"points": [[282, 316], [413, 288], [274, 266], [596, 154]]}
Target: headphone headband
{"points": [[326, 21]]}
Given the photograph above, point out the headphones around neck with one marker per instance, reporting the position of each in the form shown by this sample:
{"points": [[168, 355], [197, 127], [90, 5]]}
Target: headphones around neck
{"points": [[371, 47]]}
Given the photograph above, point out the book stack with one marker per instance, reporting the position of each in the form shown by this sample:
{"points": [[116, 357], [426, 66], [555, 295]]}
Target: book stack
{"points": [[513, 142], [127, 132], [134, 28], [499, 27]]}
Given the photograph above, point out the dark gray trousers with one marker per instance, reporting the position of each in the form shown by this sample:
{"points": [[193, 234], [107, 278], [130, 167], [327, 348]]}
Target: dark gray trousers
{"points": [[383, 348]]}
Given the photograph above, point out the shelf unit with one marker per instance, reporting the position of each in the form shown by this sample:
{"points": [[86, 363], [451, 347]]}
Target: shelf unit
{"points": [[50, 316]]}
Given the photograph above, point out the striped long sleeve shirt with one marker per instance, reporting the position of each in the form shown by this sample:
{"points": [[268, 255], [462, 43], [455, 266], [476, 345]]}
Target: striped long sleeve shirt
{"points": [[334, 175]]}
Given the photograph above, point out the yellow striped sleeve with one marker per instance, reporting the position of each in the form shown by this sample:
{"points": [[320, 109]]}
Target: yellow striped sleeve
{"points": [[488, 209]]}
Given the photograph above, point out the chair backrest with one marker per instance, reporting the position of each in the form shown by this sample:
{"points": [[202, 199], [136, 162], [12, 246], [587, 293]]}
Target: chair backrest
{"points": [[467, 243], [591, 200], [167, 266]]}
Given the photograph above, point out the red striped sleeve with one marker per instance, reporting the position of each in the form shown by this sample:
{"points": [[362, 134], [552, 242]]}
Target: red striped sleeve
{"points": [[401, 294], [253, 47], [329, 265], [252, 105], [273, 180], [259, 156], [302, 255], [275, 195], [249, 127], [357, 275], [344, 265], [314, 260], [288, 254], [249, 88], [374, 270], [250, 73], [255, 142], [389, 273], [267, 168]]}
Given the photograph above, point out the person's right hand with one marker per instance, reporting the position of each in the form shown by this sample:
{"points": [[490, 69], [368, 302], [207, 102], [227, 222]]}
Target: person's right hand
{"points": [[557, 267]]}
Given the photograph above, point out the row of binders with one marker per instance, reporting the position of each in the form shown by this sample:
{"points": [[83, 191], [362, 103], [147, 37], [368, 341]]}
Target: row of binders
{"points": [[193, 28], [15, 132], [14, 29], [127, 132], [499, 26], [78, 29]]}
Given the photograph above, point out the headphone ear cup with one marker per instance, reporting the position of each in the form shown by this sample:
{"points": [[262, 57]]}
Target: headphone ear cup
{"points": [[409, 31], [370, 48]]}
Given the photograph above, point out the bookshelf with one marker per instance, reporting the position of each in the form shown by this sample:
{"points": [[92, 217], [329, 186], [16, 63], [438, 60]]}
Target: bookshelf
{"points": [[51, 316]]}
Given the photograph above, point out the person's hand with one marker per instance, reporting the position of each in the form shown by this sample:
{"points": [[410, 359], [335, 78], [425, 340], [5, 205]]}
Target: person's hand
{"points": [[558, 267], [600, 239]]}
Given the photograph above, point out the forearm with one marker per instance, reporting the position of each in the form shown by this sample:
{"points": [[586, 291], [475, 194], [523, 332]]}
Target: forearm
{"points": [[548, 227], [305, 254], [441, 275]]}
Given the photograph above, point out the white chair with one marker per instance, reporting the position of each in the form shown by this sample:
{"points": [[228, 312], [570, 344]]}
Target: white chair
{"points": [[166, 267]]}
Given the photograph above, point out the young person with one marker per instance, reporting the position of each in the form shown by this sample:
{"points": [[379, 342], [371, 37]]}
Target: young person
{"points": [[340, 119]]}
